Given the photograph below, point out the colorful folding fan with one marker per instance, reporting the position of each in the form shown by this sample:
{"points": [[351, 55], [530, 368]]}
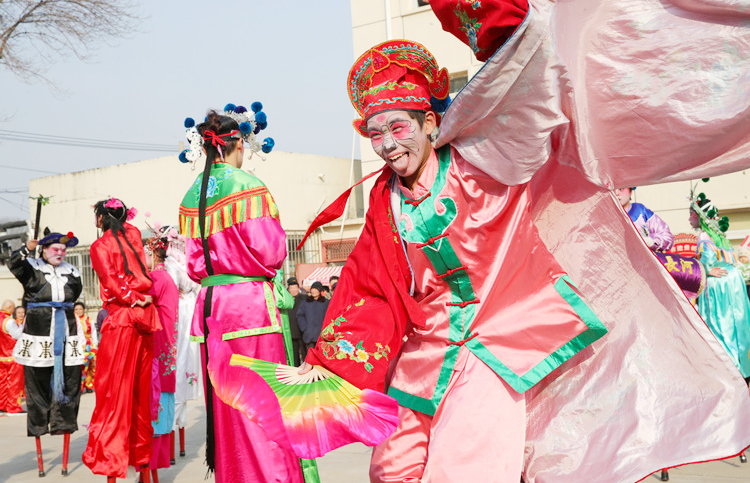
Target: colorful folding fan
{"points": [[309, 414]]}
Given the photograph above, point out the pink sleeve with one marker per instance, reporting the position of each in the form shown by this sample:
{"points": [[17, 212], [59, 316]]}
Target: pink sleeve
{"points": [[265, 239]]}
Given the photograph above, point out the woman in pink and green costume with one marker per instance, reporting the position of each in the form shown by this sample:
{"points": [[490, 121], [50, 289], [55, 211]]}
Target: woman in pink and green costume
{"points": [[466, 252], [235, 244], [723, 304]]}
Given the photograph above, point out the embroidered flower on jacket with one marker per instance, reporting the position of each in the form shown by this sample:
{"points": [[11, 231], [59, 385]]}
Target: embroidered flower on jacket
{"points": [[362, 356], [346, 347]]}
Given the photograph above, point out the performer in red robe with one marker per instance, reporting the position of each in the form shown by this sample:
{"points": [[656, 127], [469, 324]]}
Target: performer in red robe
{"points": [[11, 372], [120, 432]]}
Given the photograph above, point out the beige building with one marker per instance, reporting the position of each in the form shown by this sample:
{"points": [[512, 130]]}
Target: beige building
{"points": [[410, 19], [304, 184], [301, 184]]}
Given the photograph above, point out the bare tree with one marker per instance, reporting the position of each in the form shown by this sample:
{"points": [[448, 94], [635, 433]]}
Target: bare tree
{"points": [[35, 33]]}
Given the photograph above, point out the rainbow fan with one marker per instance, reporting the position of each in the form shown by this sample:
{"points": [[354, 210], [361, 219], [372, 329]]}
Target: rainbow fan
{"points": [[309, 414]]}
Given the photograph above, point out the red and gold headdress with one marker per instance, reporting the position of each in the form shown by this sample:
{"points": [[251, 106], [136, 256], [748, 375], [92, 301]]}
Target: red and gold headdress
{"points": [[397, 74]]}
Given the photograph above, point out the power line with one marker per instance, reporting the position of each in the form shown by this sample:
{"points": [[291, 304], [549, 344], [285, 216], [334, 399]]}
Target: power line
{"points": [[29, 169], [17, 205], [83, 142]]}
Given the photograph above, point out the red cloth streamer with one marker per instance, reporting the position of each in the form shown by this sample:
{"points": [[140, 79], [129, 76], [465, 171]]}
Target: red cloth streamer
{"points": [[334, 210], [216, 138]]}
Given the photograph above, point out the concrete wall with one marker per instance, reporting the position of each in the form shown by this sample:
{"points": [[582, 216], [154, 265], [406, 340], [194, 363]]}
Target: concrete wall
{"points": [[9, 286], [729, 194], [301, 184]]}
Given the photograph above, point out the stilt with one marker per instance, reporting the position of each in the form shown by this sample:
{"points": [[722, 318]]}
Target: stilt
{"points": [[145, 475], [66, 451], [171, 448], [743, 458], [111, 479], [39, 459], [182, 442], [665, 475], [154, 476]]}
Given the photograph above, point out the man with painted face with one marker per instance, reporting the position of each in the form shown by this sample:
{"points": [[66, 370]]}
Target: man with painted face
{"points": [[52, 345], [457, 300], [477, 275]]}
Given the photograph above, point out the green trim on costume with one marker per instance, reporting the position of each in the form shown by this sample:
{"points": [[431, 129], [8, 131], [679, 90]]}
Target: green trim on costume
{"points": [[197, 338], [232, 197], [522, 383], [275, 326], [229, 279], [250, 332], [413, 402], [271, 306], [429, 229], [309, 471]]}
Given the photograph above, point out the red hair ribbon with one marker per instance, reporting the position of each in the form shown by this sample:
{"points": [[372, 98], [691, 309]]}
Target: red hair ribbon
{"points": [[216, 138]]}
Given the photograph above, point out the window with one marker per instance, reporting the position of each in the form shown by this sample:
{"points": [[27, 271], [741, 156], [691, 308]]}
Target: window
{"points": [[337, 250], [423, 3], [81, 259], [310, 252]]}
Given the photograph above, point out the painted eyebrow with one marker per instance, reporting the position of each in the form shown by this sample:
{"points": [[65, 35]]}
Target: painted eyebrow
{"points": [[389, 123], [397, 119]]}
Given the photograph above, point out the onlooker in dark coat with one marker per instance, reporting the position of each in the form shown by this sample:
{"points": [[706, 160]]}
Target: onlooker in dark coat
{"points": [[311, 314], [298, 346], [332, 282]]}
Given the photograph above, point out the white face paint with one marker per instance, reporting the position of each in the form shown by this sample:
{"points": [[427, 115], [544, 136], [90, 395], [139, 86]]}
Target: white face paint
{"points": [[402, 143], [54, 254]]}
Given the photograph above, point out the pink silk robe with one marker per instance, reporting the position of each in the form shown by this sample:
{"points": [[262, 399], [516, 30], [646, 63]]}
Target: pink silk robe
{"points": [[661, 94]]}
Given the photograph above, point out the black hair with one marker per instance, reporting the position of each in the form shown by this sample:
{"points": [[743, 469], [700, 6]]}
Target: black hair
{"points": [[159, 252], [81, 304], [333, 277], [703, 202], [15, 312], [418, 115], [219, 125], [113, 220]]}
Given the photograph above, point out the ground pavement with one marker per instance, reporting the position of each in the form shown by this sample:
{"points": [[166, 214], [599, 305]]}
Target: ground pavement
{"points": [[345, 465]]}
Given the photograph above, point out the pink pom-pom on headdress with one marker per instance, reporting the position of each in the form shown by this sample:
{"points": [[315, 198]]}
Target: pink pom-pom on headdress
{"points": [[113, 203], [131, 214], [173, 233]]}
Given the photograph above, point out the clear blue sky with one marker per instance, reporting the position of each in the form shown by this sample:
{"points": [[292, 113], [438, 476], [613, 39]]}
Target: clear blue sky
{"points": [[185, 57]]}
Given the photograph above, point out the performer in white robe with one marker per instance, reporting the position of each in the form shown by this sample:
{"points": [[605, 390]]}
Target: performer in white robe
{"points": [[187, 354]]}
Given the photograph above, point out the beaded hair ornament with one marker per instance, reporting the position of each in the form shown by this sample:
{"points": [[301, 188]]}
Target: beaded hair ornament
{"points": [[163, 237], [250, 123], [708, 215]]}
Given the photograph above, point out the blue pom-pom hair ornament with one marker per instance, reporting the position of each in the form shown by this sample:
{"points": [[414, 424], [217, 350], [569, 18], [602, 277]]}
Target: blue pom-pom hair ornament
{"points": [[250, 122]]}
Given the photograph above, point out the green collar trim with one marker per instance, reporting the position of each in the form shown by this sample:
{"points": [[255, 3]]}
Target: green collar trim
{"points": [[522, 383]]}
